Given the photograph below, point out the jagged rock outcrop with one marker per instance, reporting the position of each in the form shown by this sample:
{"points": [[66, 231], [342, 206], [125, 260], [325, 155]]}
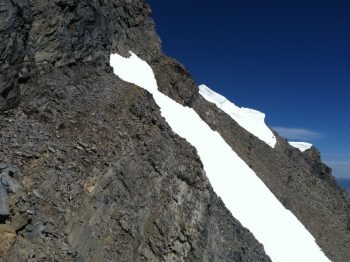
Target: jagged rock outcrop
{"points": [[174, 80], [41, 35], [104, 177]]}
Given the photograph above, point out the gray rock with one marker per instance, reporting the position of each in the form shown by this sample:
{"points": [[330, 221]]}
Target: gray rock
{"points": [[139, 195], [15, 20], [42, 35], [8, 184], [174, 80]]}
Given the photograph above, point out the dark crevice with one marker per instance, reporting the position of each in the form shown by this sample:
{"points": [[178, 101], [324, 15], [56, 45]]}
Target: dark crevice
{"points": [[19, 230], [6, 92], [3, 219]]}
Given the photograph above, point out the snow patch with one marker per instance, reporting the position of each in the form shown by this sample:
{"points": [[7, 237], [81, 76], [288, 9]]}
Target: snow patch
{"points": [[244, 194], [251, 120], [302, 146]]}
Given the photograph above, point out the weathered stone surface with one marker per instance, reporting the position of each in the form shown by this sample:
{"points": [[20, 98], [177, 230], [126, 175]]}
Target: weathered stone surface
{"points": [[15, 20], [107, 180], [174, 80], [7, 238], [41, 35]]}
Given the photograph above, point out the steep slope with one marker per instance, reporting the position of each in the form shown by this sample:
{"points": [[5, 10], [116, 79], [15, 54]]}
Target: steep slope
{"points": [[299, 180], [283, 236], [105, 179], [102, 177]]}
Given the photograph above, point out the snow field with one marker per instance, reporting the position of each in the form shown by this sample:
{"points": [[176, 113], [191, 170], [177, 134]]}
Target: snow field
{"points": [[251, 120], [302, 146]]}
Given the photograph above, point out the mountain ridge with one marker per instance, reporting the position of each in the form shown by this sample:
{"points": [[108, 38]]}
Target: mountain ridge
{"points": [[92, 149], [82, 134]]}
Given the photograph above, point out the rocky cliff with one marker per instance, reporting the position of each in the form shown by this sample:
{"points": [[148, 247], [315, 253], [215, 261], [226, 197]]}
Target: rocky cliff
{"points": [[99, 174], [40, 35], [90, 171]]}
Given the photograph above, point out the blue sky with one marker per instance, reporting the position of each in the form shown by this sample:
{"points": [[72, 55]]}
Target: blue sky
{"points": [[289, 59]]}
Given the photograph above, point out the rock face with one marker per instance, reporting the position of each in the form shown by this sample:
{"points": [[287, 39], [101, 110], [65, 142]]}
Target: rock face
{"points": [[15, 20], [45, 34], [107, 180], [103, 177]]}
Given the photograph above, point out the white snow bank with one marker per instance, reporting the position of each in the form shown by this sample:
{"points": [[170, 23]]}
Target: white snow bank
{"points": [[251, 120], [302, 146], [244, 194]]}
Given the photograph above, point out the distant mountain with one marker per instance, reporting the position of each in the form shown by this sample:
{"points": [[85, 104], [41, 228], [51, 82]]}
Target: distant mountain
{"points": [[345, 183]]}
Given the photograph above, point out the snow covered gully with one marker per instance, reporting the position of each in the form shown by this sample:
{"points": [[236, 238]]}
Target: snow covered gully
{"points": [[244, 194]]}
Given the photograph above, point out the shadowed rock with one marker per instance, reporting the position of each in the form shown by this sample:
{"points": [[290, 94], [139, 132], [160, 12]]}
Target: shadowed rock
{"points": [[41, 35]]}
